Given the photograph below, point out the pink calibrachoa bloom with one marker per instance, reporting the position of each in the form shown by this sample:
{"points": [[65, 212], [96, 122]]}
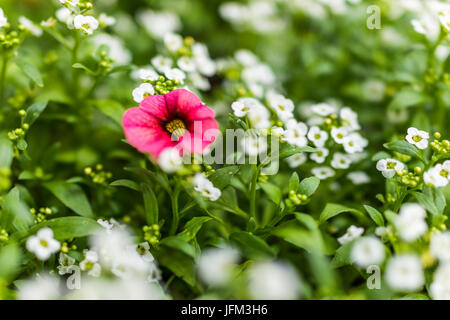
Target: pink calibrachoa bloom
{"points": [[176, 119]]}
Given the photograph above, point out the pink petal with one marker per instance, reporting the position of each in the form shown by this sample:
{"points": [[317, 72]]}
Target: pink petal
{"points": [[182, 101], [200, 112], [192, 143], [155, 106], [205, 128]]}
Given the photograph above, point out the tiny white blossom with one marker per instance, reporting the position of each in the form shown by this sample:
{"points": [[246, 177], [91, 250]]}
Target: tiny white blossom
{"points": [[242, 106], [43, 245], [427, 25], [296, 160], [440, 287], [175, 74], [70, 3], [144, 90], [3, 19], [339, 134], [90, 263], [418, 138], [44, 287], [254, 146], [199, 81], [358, 177], [186, 64], [259, 117], [159, 23], [30, 26], [106, 20], [353, 232], [246, 57], [143, 249], [323, 109], [320, 155], [173, 41], [215, 266], [440, 246], [259, 74], [205, 187], [278, 131], [85, 23], [323, 172], [108, 226], [282, 106], [367, 251], [444, 17], [170, 160], [410, 222], [66, 264], [341, 161], [147, 74], [205, 66], [64, 15], [349, 118], [161, 63], [354, 143], [389, 167], [317, 136], [296, 133], [404, 273], [269, 280], [439, 175]]}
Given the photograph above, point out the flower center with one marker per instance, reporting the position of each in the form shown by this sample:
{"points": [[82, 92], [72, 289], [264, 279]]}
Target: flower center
{"points": [[86, 26], [176, 127], [44, 243], [317, 136], [390, 165], [281, 107], [444, 173], [417, 138]]}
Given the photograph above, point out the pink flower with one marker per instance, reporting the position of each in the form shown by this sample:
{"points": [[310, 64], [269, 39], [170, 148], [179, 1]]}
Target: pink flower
{"points": [[177, 119]]}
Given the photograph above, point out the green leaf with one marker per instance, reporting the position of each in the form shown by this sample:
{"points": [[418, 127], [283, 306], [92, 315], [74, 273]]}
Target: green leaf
{"points": [[309, 185], [181, 264], [150, 204], [251, 246], [306, 220], [407, 97], [9, 262], [192, 227], [83, 67], [426, 201], [376, 215], [22, 145], [404, 147], [6, 152], [34, 111], [66, 228], [342, 257], [15, 211], [272, 191], [294, 182], [112, 109], [309, 239], [222, 177], [31, 71], [380, 155], [287, 150], [126, 183], [179, 243], [72, 196], [333, 209], [439, 200]]}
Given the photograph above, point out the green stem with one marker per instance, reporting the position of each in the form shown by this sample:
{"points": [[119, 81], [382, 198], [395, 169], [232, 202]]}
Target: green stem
{"points": [[175, 212], [75, 48], [401, 196], [3, 77], [253, 194]]}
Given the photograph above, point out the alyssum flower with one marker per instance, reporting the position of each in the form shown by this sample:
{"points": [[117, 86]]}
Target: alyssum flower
{"points": [[43, 245], [177, 119]]}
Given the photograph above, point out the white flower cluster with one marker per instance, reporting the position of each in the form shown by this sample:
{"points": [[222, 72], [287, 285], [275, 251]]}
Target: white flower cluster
{"points": [[117, 51], [159, 23], [43, 245], [206, 187], [431, 16], [259, 16], [188, 61], [439, 175]]}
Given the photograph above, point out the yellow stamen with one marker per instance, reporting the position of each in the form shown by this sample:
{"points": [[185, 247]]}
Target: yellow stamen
{"points": [[176, 127]]}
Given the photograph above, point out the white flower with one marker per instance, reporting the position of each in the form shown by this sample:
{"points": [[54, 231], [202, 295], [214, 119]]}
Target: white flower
{"points": [[259, 116], [323, 172], [30, 26], [358, 177], [170, 160], [353, 232], [320, 155], [106, 20], [242, 106], [186, 64], [444, 17], [383, 231], [418, 138], [278, 132], [317, 136], [64, 15], [254, 146], [173, 41], [147, 74], [323, 109], [161, 63], [199, 81], [296, 133], [246, 57], [66, 264], [367, 251], [72, 4], [353, 143], [144, 90], [273, 280], [159, 23], [295, 160], [259, 74], [44, 287], [428, 26], [205, 187], [440, 246], [282, 106], [339, 134], [43, 245], [439, 175], [175, 74], [117, 51], [85, 23], [440, 287], [215, 266], [404, 273], [3, 19], [341, 161], [374, 90], [349, 118], [90, 263], [389, 167], [410, 222], [108, 226], [143, 249]]}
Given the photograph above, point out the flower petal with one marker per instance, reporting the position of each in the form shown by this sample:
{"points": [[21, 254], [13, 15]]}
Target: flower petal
{"points": [[182, 101], [200, 112], [156, 107]]}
